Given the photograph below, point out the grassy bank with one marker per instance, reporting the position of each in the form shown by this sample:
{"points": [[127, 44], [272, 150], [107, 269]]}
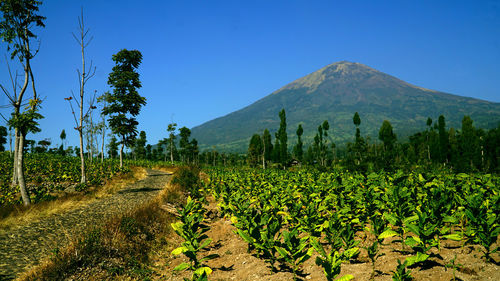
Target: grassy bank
{"points": [[121, 249]]}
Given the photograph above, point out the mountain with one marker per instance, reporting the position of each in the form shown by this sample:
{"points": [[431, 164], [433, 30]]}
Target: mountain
{"points": [[335, 93]]}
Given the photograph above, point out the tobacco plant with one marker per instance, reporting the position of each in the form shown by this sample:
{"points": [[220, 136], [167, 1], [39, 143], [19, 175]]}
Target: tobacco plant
{"points": [[401, 273], [192, 229], [294, 250], [483, 223], [331, 262]]}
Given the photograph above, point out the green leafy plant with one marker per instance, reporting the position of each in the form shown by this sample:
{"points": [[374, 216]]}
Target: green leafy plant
{"points": [[294, 250], [401, 273], [192, 229], [453, 264], [331, 262]]}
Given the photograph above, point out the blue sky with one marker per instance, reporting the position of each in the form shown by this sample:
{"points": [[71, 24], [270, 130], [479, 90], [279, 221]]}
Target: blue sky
{"points": [[205, 59]]}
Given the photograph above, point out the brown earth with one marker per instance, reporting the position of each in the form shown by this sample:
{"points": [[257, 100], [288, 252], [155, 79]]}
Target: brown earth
{"points": [[235, 263]]}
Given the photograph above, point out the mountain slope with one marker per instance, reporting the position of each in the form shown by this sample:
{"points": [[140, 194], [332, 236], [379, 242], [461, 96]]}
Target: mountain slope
{"points": [[334, 93]]}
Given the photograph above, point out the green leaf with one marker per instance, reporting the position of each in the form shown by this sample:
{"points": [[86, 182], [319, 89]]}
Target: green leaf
{"points": [[177, 226], [351, 252], [209, 257], [419, 257], [245, 236], [346, 277], [386, 234], [412, 241], [390, 218], [182, 266], [205, 243], [284, 253], [316, 245], [410, 219], [205, 269], [454, 236], [179, 250]]}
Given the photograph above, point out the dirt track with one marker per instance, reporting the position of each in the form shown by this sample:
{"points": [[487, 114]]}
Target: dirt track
{"points": [[24, 246]]}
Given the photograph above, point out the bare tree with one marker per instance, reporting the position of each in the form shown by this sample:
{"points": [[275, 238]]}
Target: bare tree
{"points": [[102, 125], [83, 76]]}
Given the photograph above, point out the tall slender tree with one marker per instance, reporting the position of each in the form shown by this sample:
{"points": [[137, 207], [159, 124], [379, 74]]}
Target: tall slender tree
{"points": [[387, 136], [171, 140], [140, 146], [17, 24], [320, 146], [255, 149], [443, 140], [125, 103], [113, 147], [84, 75], [184, 134], [283, 138], [267, 148], [299, 148]]}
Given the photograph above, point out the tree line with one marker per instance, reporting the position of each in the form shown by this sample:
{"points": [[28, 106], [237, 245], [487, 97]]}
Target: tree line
{"points": [[462, 150]]}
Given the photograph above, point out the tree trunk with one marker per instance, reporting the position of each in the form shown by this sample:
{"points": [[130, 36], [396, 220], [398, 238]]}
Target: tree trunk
{"points": [[16, 150], [102, 145], [121, 156], [20, 173], [171, 151], [83, 178]]}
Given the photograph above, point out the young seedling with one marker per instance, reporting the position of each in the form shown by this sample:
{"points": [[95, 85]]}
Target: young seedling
{"points": [[453, 264], [401, 273]]}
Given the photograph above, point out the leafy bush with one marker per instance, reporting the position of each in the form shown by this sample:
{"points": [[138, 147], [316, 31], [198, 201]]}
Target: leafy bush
{"points": [[188, 177]]}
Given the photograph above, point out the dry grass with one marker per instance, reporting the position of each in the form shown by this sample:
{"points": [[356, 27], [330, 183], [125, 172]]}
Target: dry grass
{"points": [[120, 250], [20, 215]]}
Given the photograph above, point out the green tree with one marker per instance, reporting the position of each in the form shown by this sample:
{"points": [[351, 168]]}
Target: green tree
{"points": [[283, 138], [298, 150], [492, 149], [255, 149], [429, 124], [320, 145], [443, 140], [267, 147], [468, 144], [149, 152], [387, 136], [184, 144], [140, 146], [62, 136], [125, 103], [193, 150], [113, 147], [356, 151], [171, 140], [3, 137], [19, 18]]}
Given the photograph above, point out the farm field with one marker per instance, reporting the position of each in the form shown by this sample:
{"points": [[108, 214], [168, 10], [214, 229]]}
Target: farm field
{"points": [[284, 225], [49, 174]]}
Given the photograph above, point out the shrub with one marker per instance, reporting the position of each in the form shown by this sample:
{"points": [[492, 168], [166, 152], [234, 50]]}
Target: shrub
{"points": [[188, 177]]}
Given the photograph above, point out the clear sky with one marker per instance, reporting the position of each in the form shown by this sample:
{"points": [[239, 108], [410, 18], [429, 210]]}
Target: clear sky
{"points": [[205, 59]]}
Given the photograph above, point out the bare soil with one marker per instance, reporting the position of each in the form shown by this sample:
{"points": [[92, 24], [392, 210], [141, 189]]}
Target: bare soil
{"points": [[235, 263]]}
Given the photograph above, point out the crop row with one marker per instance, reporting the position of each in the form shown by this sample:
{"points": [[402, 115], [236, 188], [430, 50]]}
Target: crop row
{"points": [[46, 173], [285, 215]]}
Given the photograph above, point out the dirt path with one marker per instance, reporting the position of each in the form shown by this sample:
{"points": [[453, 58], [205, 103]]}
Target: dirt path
{"points": [[24, 246]]}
